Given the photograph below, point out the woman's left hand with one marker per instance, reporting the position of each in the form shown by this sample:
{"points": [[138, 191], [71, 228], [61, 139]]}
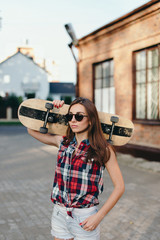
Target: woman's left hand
{"points": [[90, 223]]}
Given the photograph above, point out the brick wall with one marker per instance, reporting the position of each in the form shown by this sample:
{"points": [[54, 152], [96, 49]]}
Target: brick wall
{"points": [[118, 41]]}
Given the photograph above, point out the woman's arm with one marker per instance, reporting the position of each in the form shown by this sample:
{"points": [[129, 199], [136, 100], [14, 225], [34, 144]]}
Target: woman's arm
{"points": [[118, 182], [49, 139], [119, 188]]}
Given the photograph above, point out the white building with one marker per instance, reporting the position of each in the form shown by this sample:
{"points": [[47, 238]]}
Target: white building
{"points": [[20, 75]]}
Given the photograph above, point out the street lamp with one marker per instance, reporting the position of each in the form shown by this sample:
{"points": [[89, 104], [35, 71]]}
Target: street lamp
{"points": [[74, 43], [71, 33]]}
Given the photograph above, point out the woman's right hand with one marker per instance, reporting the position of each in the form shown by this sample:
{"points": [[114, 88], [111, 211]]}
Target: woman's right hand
{"points": [[58, 103]]}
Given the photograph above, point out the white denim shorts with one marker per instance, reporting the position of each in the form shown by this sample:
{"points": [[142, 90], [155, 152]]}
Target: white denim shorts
{"points": [[66, 227]]}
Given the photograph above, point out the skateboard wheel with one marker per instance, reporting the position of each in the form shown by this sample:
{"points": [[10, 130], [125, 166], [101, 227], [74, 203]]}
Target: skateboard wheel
{"points": [[49, 106], [114, 119], [43, 130]]}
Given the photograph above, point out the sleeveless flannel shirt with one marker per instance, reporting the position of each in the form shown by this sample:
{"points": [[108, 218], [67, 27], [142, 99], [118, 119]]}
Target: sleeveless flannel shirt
{"points": [[77, 183]]}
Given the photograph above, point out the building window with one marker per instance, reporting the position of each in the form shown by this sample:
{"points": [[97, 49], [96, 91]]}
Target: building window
{"points": [[30, 95], [104, 90], [6, 79], [147, 84]]}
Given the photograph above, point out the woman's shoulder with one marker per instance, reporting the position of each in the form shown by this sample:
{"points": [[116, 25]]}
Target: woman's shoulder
{"points": [[64, 141]]}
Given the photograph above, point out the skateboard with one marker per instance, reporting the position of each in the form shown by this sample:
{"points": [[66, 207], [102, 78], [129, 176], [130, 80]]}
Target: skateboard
{"points": [[40, 115]]}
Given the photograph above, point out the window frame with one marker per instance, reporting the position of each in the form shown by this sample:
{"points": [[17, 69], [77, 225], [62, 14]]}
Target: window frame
{"points": [[94, 76], [145, 121]]}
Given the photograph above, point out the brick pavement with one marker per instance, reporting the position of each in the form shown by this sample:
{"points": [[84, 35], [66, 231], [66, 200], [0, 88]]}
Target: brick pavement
{"points": [[26, 176]]}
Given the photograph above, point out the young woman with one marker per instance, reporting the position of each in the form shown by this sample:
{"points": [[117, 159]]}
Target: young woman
{"points": [[82, 157]]}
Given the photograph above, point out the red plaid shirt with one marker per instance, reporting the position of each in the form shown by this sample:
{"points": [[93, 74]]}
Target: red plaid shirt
{"points": [[77, 183]]}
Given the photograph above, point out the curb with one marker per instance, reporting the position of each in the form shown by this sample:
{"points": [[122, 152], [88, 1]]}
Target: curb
{"points": [[140, 163]]}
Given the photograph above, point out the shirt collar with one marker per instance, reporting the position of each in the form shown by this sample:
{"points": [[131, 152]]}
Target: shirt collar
{"points": [[85, 141]]}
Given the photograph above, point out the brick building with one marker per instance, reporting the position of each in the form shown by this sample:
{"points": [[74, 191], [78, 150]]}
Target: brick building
{"points": [[119, 69]]}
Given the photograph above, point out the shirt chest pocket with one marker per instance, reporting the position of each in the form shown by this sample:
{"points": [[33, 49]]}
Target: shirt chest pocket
{"points": [[82, 166]]}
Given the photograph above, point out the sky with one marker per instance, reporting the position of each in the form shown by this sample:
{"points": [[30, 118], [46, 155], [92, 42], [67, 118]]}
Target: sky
{"points": [[42, 24]]}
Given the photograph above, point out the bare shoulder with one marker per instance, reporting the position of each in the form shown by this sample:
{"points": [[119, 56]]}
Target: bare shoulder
{"points": [[114, 171], [112, 154], [57, 140], [111, 151]]}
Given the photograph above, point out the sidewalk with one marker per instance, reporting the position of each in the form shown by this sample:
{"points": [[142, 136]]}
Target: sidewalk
{"points": [[26, 177]]}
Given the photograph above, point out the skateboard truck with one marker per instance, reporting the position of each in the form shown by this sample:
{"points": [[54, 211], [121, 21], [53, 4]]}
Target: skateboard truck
{"points": [[114, 120], [43, 129]]}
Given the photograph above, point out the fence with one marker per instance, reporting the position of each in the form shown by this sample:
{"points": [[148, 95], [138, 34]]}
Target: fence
{"points": [[8, 114]]}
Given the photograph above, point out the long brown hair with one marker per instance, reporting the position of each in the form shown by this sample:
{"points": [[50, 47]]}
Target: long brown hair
{"points": [[99, 148]]}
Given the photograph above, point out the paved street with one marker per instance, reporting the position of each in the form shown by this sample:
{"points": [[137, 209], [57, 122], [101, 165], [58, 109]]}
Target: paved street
{"points": [[26, 176]]}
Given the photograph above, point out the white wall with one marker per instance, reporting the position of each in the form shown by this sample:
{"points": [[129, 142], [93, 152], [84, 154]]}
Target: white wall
{"points": [[19, 74]]}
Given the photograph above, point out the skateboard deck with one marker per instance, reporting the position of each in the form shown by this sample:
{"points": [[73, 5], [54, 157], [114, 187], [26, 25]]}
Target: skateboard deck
{"points": [[38, 115]]}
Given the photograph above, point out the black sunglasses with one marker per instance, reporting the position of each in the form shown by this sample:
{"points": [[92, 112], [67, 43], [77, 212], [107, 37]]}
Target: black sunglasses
{"points": [[78, 117]]}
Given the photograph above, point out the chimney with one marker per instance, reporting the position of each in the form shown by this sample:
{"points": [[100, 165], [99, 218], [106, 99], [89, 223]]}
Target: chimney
{"points": [[26, 50]]}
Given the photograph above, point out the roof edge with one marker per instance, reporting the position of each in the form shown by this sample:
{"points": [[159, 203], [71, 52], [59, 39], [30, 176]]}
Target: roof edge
{"points": [[127, 15], [29, 58]]}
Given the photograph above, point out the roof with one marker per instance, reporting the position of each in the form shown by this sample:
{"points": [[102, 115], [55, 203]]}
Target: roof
{"points": [[137, 10], [26, 56], [67, 88]]}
